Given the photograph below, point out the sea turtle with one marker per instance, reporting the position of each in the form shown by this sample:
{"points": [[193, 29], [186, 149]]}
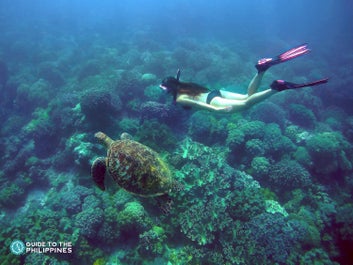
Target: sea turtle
{"points": [[133, 166]]}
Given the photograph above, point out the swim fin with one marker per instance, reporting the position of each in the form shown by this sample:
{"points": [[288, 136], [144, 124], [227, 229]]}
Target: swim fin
{"points": [[281, 85], [265, 63]]}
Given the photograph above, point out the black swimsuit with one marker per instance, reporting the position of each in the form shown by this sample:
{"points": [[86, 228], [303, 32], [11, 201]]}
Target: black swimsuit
{"points": [[212, 95]]}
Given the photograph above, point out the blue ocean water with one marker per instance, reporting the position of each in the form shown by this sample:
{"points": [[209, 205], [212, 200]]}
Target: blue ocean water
{"points": [[270, 184]]}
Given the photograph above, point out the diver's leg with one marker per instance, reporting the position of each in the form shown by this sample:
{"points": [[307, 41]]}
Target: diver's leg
{"points": [[255, 83], [252, 88], [258, 97], [232, 95]]}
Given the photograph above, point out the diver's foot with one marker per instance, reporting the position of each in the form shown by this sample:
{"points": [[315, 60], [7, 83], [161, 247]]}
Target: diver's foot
{"points": [[281, 85], [265, 63]]}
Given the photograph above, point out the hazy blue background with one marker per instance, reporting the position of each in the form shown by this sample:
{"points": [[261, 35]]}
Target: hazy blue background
{"points": [[261, 26], [326, 22]]}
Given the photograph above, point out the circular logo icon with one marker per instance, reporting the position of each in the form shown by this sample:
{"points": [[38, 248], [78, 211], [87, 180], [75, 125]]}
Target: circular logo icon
{"points": [[17, 247]]}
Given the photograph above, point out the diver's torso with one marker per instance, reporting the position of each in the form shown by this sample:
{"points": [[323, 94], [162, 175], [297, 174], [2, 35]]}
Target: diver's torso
{"points": [[202, 97]]}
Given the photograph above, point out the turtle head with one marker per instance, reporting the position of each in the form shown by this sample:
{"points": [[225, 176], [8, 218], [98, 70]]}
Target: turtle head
{"points": [[98, 170], [103, 139]]}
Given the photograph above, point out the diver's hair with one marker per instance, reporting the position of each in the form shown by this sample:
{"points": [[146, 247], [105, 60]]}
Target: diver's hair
{"points": [[191, 89]]}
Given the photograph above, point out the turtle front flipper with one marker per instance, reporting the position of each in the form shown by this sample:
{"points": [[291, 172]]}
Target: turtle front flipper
{"points": [[98, 170]]}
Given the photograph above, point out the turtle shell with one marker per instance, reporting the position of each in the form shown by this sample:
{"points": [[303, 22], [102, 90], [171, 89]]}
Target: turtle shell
{"points": [[138, 169]]}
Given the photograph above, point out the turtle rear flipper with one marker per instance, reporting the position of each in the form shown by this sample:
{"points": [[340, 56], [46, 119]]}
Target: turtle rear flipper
{"points": [[98, 170], [165, 203]]}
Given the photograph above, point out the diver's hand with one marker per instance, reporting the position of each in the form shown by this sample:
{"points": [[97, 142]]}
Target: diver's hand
{"points": [[225, 109], [229, 109]]}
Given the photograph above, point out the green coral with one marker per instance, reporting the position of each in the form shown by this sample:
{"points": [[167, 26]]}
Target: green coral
{"points": [[6, 256], [200, 222], [180, 257], [268, 194], [37, 94], [345, 221], [129, 125], [10, 195], [40, 116], [156, 136], [246, 203], [312, 224], [289, 174], [276, 144], [81, 148], [191, 150], [152, 242], [260, 166], [301, 155], [242, 131], [255, 147], [252, 129], [99, 261], [207, 129], [296, 134], [330, 152], [133, 217], [274, 207], [84, 253], [235, 137], [316, 256], [302, 115], [153, 94]]}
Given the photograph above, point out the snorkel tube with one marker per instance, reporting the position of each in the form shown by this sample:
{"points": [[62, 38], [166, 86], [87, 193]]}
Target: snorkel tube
{"points": [[175, 90], [178, 74]]}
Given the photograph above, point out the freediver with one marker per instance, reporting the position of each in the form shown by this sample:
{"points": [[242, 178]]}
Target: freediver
{"points": [[194, 95]]}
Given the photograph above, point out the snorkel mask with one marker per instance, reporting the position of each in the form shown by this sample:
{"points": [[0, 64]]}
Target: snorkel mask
{"points": [[170, 84]]}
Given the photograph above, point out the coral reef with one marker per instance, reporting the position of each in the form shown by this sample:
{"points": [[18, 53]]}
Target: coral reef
{"points": [[287, 175], [10, 195], [99, 106], [42, 130], [4, 73], [330, 153], [51, 74], [270, 185], [206, 129], [260, 167], [247, 140], [164, 113], [273, 236], [276, 145], [89, 222], [88, 69], [81, 149], [152, 242], [301, 116], [37, 94], [155, 135], [133, 217], [268, 112]]}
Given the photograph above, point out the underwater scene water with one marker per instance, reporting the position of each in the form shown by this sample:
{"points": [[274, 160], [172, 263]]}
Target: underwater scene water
{"points": [[268, 184]]}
